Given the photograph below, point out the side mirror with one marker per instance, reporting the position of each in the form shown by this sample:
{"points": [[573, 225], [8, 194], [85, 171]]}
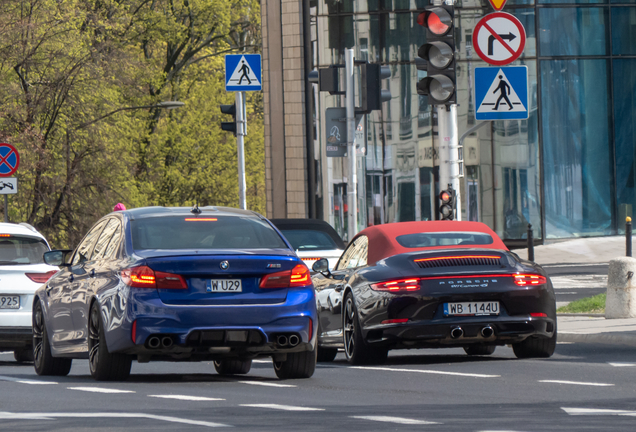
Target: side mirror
{"points": [[56, 257], [320, 266]]}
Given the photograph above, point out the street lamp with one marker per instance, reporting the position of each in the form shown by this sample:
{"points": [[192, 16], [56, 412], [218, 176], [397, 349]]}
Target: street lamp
{"points": [[162, 105]]}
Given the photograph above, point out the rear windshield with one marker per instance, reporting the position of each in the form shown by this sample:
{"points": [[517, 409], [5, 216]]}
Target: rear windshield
{"points": [[203, 232], [431, 239], [16, 250], [303, 239]]}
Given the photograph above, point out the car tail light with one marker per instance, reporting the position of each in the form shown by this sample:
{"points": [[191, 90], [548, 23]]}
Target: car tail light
{"points": [[538, 315], [145, 277], [133, 332], [411, 284], [311, 328], [529, 279], [296, 277], [200, 219], [395, 321], [40, 277]]}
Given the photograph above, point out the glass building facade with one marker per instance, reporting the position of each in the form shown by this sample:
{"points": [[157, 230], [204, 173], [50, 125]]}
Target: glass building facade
{"points": [[568, 170]]}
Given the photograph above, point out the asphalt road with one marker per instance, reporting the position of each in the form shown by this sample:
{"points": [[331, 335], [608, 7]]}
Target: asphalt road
{"points": [[582, 387]]}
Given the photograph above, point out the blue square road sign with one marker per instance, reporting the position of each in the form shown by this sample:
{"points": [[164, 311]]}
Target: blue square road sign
{"points": [[501, 93], [243, 72]]}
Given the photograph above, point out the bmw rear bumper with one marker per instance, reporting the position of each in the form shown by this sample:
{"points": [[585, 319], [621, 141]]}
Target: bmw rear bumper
{"points": [[218, 331], [437, 333]]}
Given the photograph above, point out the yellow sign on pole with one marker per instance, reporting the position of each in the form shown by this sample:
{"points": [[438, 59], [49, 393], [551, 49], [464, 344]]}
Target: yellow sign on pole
{"points": [[497, 4]]}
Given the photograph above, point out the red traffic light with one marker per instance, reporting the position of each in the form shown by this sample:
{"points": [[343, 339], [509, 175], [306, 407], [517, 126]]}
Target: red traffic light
{"points": [[436, 19], [445, 196]]}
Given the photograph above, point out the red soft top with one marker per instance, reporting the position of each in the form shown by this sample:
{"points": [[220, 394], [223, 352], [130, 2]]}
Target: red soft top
{"points": [[382, 243]]}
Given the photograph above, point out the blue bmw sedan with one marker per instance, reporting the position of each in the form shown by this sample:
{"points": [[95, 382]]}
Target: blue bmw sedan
{"points": [[177, 284]]}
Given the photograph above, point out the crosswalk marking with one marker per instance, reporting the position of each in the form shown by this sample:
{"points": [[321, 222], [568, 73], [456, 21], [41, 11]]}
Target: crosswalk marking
{"points": [[577, 383], [597, 411], [25, 381], [425, 371], [282, 407], [398, 420], [99, 390], [115, 415], [623, 364], [266, 384], [186, 398]]}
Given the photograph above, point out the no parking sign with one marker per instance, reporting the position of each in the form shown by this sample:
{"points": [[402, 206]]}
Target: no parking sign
{"points": [[9, 160]]}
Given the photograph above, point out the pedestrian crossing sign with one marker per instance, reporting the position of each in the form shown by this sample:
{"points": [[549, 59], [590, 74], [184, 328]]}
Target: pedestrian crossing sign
{"points": [[243, 72], [501, 93]]}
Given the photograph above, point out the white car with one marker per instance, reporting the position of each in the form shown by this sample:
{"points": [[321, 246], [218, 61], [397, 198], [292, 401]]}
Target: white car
{"points": [[312, 239], [22, 271]]}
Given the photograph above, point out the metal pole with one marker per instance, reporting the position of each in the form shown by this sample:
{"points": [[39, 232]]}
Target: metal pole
{"points": [[352, 196], [241, 128], [530, 243], [628, 234], [6, 209], [449, 152]]}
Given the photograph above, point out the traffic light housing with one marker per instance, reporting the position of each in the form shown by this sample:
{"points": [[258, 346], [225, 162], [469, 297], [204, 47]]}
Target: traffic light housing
{"points": [[229, 126], [438, 52], [447, 207], [372, 94]]}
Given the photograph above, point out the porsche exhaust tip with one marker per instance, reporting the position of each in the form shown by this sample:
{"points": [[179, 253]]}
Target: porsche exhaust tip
{"points": [[166, 341], [281, 340], [294, 340], [487, 332], [457, 332]]}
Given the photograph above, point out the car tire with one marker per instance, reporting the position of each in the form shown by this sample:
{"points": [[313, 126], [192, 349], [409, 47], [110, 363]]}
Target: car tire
{"points": [[326, 355], [43, 361], [103, 365], [536, 347], [297, 365], [232, 367], [480, 349], [357, 352], [23, 355]]}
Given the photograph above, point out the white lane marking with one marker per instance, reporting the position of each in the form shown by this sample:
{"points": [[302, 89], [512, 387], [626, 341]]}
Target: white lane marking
{"points": [[186, 398], [425, 371], [261, 361], [23, 381], [596, 411], [565, 343], [398, 420], [99, 390], [577, 383], [623, 364], [51, 416], [267, 384], [282, 407]]}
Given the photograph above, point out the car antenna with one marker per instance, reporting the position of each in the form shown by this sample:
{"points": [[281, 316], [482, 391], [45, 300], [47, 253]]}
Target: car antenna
{"points": [[195, 209]]}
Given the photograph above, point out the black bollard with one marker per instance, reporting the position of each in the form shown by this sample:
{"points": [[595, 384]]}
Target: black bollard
{"points": [[530, 244], [628, 236]]}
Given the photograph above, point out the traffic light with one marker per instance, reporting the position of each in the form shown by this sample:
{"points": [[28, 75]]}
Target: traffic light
{"points": [[372, 94], [229, 126], [439, 54], [447, 209]]}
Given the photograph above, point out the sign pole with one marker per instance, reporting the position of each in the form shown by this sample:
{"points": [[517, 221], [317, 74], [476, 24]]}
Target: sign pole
{"points": [[240, 133], [352, 196], [6, 209]]}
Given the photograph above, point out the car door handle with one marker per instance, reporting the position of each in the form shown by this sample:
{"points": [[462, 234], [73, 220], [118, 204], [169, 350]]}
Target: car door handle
{"points": [[338, 287]]}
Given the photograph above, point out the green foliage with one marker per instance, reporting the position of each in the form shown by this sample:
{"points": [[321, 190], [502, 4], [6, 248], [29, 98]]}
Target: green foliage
{"points": [[595, 304], [68, 67]]}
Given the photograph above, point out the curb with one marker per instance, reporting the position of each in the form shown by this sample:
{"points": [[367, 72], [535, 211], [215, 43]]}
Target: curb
{"points": [[593, 315], [615, 338]]}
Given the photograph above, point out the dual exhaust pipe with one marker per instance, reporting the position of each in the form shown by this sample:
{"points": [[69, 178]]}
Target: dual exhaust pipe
{"points": [[458, 332], [287, 340], [155, 342]]}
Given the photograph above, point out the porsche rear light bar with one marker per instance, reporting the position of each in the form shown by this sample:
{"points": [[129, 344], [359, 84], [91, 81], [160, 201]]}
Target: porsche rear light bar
{"points": [[458, 257], [40, 277], [145, 277], [395, 321], [538, 315], [411, 284], [294, 278], [529, 279]]}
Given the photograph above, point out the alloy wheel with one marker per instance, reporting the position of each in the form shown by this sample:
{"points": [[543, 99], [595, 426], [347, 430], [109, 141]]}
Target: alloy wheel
{"points": [[38, 336], [349, 327], [93, 339]]}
